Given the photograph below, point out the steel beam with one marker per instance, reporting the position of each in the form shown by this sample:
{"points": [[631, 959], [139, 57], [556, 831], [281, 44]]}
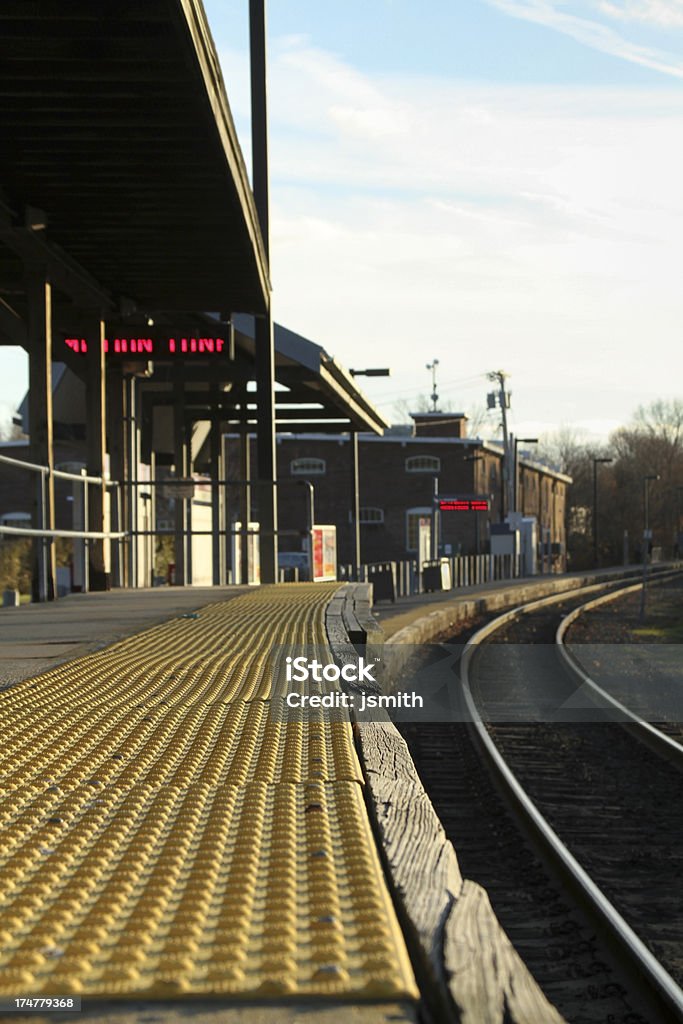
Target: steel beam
{"points": [[181, 471], [216, 455], [245, 503], [116, 445], [263, 325], [355, 504], [95, 406], [39, 332]]}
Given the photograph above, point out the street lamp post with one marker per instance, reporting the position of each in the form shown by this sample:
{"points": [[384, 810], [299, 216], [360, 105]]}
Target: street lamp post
{"points": [[646, 537], [518, 441], [596, 462]]}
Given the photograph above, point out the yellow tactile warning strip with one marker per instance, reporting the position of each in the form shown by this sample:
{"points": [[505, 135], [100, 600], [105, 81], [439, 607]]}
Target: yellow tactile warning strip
{"points": [[165, 836]]}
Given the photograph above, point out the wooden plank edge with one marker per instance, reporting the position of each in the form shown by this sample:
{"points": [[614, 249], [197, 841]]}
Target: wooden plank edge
{"points": [[466, 967]]}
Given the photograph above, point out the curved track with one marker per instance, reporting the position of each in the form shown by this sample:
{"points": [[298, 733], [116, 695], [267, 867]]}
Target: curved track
{"points": [[560, 768]]}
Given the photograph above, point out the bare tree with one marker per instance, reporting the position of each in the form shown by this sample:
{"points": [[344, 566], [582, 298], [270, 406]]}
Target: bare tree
{"points": [[10, 431]]}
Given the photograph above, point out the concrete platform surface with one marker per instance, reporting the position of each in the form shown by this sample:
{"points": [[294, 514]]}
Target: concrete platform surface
{"points": [[407, 610], [36, 637]]}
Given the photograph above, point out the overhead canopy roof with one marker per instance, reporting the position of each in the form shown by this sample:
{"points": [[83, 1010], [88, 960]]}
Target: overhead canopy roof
{"points": [[314, 393], [115, 122], [312, 377]]}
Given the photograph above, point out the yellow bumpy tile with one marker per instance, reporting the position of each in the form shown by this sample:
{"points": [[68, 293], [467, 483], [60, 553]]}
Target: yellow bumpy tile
{"points": [[165, 835]]}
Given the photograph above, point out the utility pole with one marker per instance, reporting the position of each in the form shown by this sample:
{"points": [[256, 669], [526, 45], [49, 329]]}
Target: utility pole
{"points": [[502, 398]]}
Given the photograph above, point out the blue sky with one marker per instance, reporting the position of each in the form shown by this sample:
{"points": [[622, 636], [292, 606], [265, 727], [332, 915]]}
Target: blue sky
{"points": [[469, 39], [494, 183]]}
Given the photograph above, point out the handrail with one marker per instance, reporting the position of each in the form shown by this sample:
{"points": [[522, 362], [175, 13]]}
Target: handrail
{"points": [[58, 473], [26, 531]]}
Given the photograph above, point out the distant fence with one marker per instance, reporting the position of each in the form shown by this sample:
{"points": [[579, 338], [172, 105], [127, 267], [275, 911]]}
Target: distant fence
{"points": [[465, 571]]}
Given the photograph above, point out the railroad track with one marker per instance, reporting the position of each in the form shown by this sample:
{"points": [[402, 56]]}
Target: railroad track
{"points": [[572, 830]]}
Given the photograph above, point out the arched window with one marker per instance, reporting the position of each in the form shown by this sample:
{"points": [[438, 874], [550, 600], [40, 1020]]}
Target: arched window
{"points": [[307, 467], [423, 464]]}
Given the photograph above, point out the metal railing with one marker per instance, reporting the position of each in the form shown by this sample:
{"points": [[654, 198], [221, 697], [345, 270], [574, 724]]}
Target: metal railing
{"points": [[49, 535], [465, 571]]}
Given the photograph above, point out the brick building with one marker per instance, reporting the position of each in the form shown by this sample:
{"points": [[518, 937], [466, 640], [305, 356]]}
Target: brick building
{"points": [[399, 473]]}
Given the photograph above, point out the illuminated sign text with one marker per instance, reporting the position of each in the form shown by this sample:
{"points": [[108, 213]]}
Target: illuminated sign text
{"points": [[149, 347], [464, 504]]}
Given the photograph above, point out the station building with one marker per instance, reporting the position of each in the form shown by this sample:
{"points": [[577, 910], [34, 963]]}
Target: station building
{"points": [[399, 474]]}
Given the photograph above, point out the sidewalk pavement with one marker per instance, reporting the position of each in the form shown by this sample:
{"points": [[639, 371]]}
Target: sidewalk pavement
{"points": [[406, 610], [36, 637]]}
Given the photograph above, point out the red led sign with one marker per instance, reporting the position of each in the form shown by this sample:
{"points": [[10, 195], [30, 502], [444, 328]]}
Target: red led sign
{"points": [[150, 347], [463, 505]]}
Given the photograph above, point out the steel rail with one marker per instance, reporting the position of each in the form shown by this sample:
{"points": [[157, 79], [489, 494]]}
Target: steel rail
{"points": [[658, 982], [644, 731]]}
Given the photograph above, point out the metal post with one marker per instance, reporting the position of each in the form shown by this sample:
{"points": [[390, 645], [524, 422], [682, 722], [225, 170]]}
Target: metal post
{"points": [[132, 474], [355, 504], [187, 502], [595, 513], [514, 503], [95, 403], [245, 503], [86, 540], [152, 516], [180, 460], [435, 518], [120, 544], [646, 539], [310, 523], [264, 344], [216, 475], [116, 433], [39, 336]]}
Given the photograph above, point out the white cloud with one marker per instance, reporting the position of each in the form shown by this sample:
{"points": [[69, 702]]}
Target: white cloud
{"points": [[665, 13], [533, 228], [599, 36]]}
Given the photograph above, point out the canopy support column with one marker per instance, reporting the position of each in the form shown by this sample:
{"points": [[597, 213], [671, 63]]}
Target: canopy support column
{"points": [[181, 472], [39, 295], [116, 442], [355, 504], [265, 348], [95, 401]]}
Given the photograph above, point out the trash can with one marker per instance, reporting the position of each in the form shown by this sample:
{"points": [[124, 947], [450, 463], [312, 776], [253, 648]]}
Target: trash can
{"points": [[382, 575], [436, 574]]}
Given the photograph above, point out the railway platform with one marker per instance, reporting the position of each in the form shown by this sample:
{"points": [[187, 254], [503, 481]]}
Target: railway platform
{"points": [[172, 848], [167, 838]]}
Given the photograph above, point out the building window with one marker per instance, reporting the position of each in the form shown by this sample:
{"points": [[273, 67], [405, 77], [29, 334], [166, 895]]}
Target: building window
{"points": [[19, 520], [371, 515], [307, 467], [413, 517], [423, 464]]}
